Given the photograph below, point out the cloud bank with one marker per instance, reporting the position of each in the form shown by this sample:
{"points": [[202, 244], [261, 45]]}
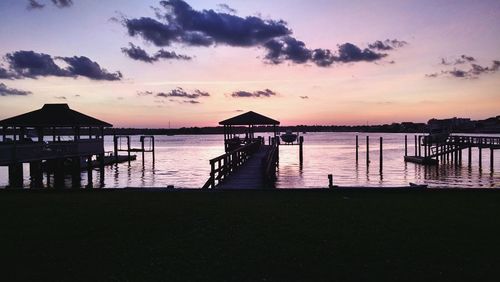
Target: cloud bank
{"points": [[266, 93], [6, 91], [29, 64], [178, 23]]}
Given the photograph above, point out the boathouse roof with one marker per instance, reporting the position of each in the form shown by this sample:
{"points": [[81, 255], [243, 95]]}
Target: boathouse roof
{"points": [[54, 115], [249, 118]]}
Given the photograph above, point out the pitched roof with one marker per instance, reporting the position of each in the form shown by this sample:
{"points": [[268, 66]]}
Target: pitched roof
{"points": [[249, 118], [54, 115]]}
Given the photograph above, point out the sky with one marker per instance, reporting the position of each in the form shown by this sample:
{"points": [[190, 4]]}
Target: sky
{"points": [[197, 62]]}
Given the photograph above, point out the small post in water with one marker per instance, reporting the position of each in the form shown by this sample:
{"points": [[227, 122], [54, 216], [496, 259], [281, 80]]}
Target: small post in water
{"points": [[330, 181], [381, 155], [357, 149], [367, 150], [301, 149], [406, 145]]}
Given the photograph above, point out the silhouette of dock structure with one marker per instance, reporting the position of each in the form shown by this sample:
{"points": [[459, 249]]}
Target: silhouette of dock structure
{"points": [[429, 151], [248, 162], [55, 122]]}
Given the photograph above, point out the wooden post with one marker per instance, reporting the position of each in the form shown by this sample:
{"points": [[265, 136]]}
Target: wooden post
{"points": [[142, 149], [115, 144], [212, 174], [419, 146], [406, 145], [75, 172], [36, 176], [381, 155], [89, 172], [480, 157], [367, 150], [416, 145], [128, 148], [301, 150], [16, 175], [470, 156], [491, 159], [357, 149], [153, 148], [330, 180], [101, 168]]}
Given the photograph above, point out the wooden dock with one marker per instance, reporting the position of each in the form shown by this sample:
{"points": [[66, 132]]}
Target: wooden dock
{"points": [[249, 175], [252, 166]]}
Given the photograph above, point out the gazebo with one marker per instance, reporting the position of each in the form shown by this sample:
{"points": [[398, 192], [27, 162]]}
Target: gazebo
{"points": [[74, 135], [250, 120]]}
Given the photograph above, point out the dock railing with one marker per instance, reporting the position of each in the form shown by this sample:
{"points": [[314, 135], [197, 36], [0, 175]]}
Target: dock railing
{"points": [[224, 165], [270, 163]]}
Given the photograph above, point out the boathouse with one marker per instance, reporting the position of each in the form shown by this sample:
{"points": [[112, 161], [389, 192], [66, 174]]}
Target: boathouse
{"points": [[248, 162], [249, 120], [54, 136]]}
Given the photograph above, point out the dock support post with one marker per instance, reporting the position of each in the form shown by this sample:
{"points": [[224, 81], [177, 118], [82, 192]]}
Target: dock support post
{"points": [[36, 176], [416, 145], [470, 156], [406, 145], [460, 156], [16, 175], [419, 146], [128, 148], [101, 168], [115, 143], [212, 175], [491, 159], [153, 148], [330, 180], [75, 172], [480, 158], [142, 149], [301, 149], [357, 149], [367, 150], [381, 155], [89, 172]]}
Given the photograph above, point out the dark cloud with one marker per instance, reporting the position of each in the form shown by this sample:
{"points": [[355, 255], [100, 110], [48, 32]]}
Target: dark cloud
{"points": [[182, 24], [387, 44], [60, 97], [62, 3], [33, 4], [6, 91], [178, 23], [474, 72], [181, 93], [5, 74], [255, 94], [177, 95], [83, 66], [33, 65], [224, 8], [349, 52], [290, 49], [458, 61], [304, 97], [139, 54]]}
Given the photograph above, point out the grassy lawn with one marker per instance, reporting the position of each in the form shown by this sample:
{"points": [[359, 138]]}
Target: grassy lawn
{"points": [[250, 236]]}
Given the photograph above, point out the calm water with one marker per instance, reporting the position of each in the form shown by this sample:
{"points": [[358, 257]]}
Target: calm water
{"points": [[182, 161]]}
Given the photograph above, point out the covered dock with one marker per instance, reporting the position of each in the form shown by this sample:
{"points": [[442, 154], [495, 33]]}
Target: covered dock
{"points": [[248, 163], [54, 134]]}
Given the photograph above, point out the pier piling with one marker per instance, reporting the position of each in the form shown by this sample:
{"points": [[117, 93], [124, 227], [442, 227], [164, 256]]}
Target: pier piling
{"points": [[367, 150], [16, 175], [406, 145], [381, 155], [301, 150], [330, 180], [491, 159], [357, 149]]}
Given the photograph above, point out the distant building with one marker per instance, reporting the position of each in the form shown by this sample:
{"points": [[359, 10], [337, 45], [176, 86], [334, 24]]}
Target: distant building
{"points": [[450, 125]]}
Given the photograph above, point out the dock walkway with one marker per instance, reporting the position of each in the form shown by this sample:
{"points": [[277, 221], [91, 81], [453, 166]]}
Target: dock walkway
{"points": [[250, 174]]}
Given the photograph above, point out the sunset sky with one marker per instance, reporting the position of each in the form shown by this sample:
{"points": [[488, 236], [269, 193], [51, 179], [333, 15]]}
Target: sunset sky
{"points": [[196, 62]]}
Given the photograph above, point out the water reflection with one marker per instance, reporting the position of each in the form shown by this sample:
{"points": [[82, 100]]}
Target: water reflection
{"points": [[183, 161]]}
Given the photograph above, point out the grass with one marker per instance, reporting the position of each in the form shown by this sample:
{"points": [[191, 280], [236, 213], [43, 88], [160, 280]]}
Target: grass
{"points": [[361, 235]]}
